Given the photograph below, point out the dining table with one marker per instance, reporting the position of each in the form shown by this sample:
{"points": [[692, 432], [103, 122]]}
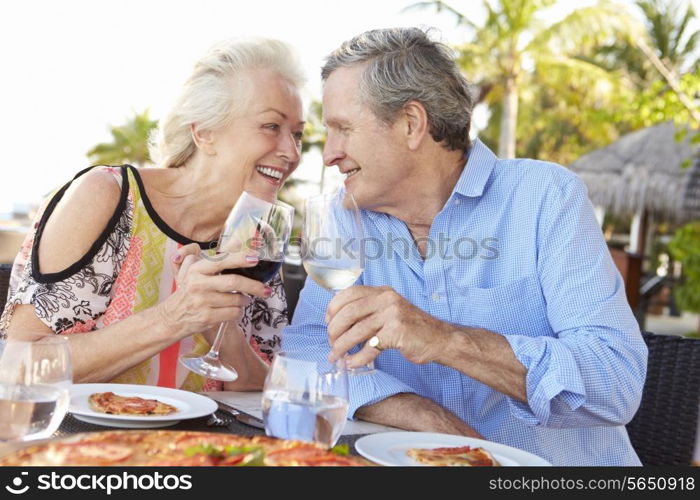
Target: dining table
{"points": [[221, 422]]}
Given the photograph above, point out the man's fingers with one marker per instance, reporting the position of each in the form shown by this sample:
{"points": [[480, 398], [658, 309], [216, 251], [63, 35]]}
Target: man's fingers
{"points": [[349, 315], [364, 356], [358, 333], [347, 296]]}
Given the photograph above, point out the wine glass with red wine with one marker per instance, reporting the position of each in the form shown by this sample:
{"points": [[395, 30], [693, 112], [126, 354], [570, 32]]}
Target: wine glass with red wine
{"points": [[254, 226]]}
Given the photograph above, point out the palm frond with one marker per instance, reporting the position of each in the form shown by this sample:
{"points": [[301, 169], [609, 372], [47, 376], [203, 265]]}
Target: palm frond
{"points": [[441, 6]]}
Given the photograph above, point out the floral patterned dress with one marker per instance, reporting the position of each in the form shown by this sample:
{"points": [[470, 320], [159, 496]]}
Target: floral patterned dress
{"points": [[126, 271]]}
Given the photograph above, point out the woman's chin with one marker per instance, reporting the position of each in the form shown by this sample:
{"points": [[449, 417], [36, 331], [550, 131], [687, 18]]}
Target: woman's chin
{"points": [[263, 190]]}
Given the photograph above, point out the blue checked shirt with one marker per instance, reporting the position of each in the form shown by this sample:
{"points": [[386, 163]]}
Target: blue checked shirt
{"points": [[516, 250]]}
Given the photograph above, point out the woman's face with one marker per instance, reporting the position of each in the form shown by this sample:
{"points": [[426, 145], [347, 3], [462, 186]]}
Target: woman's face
{"points": [[261, 147]]}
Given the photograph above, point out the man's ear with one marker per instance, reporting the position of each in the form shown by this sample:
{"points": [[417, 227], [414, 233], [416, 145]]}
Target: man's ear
{"points": [[416, 122], [204, 139]]}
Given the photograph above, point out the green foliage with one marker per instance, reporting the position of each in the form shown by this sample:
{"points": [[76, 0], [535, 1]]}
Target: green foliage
{"points": [[685, 248], [129, 143], [582, 81], [566, 99], [658, 103]]}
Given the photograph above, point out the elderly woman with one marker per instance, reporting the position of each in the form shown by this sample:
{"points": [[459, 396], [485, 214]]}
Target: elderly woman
{"points": [[114, 258]]}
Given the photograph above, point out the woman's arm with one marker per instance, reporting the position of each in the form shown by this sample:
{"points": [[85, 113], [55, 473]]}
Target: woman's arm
{"points": [[200, 301]]}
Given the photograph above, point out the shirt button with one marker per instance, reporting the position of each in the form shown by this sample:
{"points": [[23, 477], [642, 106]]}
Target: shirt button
{"points": [[436, 296], [457, 202]]}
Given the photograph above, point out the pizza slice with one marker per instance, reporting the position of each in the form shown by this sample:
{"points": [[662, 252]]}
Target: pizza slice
{"points": [[114, 404], [458, 456]]}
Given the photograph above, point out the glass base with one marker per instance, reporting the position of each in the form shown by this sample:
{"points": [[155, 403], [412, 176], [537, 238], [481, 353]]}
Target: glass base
{"points": [[210, 368], [362, 370]]}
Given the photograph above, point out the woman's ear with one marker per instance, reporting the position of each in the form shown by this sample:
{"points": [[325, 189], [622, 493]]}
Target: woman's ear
{"points": [[416, 122], [203, 139]]}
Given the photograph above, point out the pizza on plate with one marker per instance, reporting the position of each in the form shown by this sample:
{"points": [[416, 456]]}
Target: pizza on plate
{"points": [[175, 448], [457, 456], [114, 404]]}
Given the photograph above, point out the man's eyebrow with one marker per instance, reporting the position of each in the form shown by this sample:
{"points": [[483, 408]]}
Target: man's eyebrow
{"points": [[284, 117], [333, 122]]}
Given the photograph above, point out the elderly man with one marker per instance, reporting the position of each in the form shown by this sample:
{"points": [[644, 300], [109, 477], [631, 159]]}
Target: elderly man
{"points": [[507, 319]]}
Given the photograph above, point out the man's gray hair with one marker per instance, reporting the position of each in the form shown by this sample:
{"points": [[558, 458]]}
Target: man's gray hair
{"points": [[402, 65]]}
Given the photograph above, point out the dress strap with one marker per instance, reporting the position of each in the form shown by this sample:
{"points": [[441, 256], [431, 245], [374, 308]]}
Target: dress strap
{"points": [[75, 267]]}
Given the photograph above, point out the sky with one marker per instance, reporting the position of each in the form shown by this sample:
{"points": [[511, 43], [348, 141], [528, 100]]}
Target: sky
{"points": [[72, 68]]}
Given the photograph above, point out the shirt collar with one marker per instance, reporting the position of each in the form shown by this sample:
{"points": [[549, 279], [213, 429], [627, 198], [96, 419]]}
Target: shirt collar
{"points": [[477, 171]]}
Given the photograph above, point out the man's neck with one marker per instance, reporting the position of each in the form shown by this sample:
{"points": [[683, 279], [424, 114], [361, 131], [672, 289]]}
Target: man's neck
{"points": [[434, 183], [431, 186]]}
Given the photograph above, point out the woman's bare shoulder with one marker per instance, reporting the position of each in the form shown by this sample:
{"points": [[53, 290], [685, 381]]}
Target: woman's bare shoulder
{"points": [[78, 219]]}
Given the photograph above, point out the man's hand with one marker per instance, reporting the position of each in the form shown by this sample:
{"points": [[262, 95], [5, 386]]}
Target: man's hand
{"points": [[360, 312]]}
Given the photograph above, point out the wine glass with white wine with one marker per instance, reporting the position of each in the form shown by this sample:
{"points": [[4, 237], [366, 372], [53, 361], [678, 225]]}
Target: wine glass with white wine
{"points": [[332, 239]]}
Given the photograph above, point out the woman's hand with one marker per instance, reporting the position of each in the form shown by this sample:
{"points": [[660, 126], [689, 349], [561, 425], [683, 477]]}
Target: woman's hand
{"points": [[203, 297]]}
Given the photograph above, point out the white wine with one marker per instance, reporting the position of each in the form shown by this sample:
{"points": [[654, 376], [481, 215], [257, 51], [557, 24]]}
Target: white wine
{"points": [[332, 278], [291, 416]]}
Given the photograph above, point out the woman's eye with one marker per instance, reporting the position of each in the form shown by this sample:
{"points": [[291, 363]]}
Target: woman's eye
{"points": [[298, 136], [272, 126]]}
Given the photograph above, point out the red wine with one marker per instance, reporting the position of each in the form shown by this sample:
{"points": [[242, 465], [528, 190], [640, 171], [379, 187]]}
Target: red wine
{"points": [[264, 271]]}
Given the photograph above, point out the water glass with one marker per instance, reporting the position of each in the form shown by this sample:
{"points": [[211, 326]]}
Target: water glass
{"points": [[305, 399], [35, 379]]}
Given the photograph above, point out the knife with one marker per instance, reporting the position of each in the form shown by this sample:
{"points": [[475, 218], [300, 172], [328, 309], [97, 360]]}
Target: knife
{"points": [[243, 418]]}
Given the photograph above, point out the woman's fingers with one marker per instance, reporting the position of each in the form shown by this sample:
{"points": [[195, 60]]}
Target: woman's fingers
{"points": [[216, 299], [221, 262], [236, 283], [182, 253]]}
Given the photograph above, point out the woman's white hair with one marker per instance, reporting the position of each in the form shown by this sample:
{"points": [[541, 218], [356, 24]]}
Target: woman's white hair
{"points": [[213, 93]]}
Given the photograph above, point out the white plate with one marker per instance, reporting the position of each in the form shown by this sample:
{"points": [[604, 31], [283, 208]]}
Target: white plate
{"points": [[389, 448], [188, 404]]}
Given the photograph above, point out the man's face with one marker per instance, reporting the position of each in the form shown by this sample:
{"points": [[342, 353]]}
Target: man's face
{"points": [[365, 149]]}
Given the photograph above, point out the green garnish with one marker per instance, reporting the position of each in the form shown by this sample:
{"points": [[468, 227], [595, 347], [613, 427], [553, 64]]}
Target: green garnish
{"points": [[341, 449], [255, 455], [205, 449]]}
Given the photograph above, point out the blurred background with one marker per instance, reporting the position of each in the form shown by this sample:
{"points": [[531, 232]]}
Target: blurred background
{"points": [[608, 89]]}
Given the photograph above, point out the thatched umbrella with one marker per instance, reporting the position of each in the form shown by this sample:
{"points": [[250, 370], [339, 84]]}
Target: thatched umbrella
{"points": [[643, 172], [639, 175]]}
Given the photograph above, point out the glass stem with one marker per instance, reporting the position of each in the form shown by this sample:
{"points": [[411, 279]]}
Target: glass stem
{"points": [[214, 351]]}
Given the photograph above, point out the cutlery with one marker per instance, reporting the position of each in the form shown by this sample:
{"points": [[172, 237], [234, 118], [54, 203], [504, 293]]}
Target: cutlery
{"points": [[244, 418]]}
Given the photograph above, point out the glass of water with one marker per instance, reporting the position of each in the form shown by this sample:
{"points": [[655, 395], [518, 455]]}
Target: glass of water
{"points": [[305, 399], [35, 379]]}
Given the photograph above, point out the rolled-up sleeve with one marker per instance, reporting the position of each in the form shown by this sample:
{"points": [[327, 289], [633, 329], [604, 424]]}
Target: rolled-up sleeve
{"points": [[308, 333], [592, 371]]}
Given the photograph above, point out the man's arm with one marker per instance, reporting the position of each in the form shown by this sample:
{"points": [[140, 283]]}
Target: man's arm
{"points": [[415, 413]]}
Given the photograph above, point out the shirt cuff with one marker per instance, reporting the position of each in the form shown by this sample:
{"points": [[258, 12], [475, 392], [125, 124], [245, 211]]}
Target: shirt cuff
{"points": [[370, 388], [552, 377]]}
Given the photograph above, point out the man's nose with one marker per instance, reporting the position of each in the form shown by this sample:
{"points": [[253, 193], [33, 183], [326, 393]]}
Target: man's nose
{"points": [[332, 152]]}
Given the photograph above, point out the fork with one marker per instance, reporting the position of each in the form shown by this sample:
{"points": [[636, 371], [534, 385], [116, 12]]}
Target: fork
{"points": [[216, 421]]}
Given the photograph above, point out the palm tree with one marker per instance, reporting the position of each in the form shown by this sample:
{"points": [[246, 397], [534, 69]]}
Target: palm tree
{"points": [[129, 143], [667, 49], [512, 40], [667, 24]]}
